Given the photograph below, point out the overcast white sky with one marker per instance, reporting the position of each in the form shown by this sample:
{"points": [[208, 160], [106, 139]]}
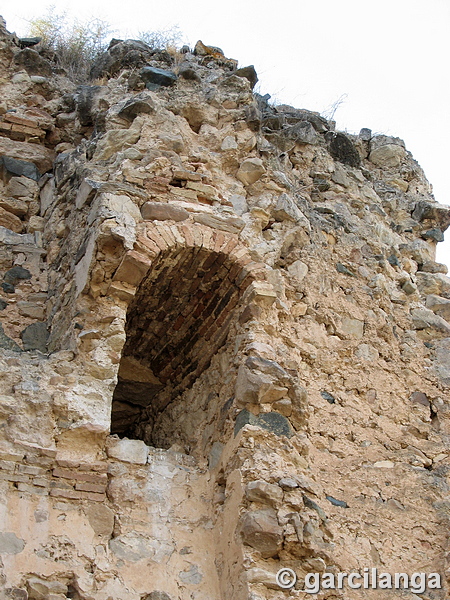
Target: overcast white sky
{"points": [[389, 57]]}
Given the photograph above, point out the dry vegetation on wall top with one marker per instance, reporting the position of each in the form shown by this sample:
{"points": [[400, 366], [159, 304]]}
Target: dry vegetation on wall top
{"points": [[224, 337], [75, 45]]}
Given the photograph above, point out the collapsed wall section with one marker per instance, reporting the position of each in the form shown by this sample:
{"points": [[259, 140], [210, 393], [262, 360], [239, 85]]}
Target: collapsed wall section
{"points": [[247, 289]]}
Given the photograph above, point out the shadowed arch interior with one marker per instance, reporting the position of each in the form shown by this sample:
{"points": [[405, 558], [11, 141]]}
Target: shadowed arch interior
{"points": [[178, 320]]}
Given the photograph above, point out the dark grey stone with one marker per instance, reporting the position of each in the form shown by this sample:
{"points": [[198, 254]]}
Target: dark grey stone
{"points": [[8, 288], [23, 168], [3, 304], [152, 76], [340, 268], [16, 274], [253, 118], [424, 210], [365, 134], [136, 106], [35, 337], [336, 502], [273, 422], [32, 62], [276, 423], [249, 73], [28, 42], [393, 260], [187, 72], [121, 54], [433, 234], [342, 149], [314, 506], [84, 102], [328, 397], [273, 122], [301, 133], [244, 418], [7, 343]]}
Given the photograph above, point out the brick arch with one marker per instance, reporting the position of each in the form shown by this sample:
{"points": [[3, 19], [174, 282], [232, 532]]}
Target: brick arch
{"points": [[156, 238], [184, 284]]}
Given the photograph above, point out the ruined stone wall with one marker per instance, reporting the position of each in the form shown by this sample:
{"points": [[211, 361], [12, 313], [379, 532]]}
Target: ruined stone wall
{"points": [[224, 338]]}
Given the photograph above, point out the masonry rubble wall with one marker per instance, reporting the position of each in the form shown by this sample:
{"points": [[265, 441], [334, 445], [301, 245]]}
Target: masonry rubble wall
{"points": [[224, 337]]}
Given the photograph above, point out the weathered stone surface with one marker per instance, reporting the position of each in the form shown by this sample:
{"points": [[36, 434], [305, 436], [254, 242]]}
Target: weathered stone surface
{"points": [[298, 270], [131, 451], [10, 221], [115, 140], [353, 327], [386, 151], [298, 329], [423, 318], [31, 309], [35, 337], [14, 205], [163, 212], [266, 493], [33, 63], [249, 73], [8, 343], [250, 171], [433, 283], [22, 158], [343, 149], [229, 224], [260, 530], [10, 543], [133, 547], [155, 78], [439, 305], [286, 208], [40, 589], [101, 519]]}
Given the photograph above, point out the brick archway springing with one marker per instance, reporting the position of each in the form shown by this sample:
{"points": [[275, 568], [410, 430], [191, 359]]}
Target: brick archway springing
{"points": [[184, 284]]}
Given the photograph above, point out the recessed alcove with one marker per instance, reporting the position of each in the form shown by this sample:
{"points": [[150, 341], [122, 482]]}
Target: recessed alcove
{"points": [[177, 322]]}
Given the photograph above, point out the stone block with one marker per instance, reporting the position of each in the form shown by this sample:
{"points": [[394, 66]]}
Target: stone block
{"points": [[387, 156], [35, 337], [10, 543], [260, 530], [10, 221], [424, 318], [133, 268], [440, 306], [298, 270], [353, 327], [101, 519], [228, 224], [16, 206], [131, 451], [250, 171], [159, 211], [266, 493]]}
